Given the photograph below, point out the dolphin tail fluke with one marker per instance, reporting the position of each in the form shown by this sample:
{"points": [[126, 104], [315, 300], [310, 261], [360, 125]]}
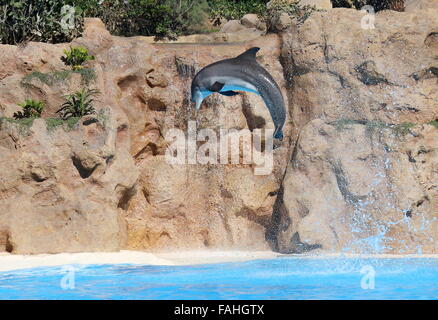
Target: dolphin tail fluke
{"points": [[278, 134], [198, 103]]}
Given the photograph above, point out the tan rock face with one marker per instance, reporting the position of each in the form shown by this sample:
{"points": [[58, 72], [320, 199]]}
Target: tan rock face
{"points": [[380, 196], [61, 189], [147, 87], [356, 186], [414, 5], [320, 4], [386, 73], [193, 206]]}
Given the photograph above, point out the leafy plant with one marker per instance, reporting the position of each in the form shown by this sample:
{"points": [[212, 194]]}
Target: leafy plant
{"points": [[78, 104], [37, 20], [31, 109], [75, 57]]}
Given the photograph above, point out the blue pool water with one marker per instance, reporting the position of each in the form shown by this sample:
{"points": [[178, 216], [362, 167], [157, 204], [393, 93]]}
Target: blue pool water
{"points": [[280, 278]]}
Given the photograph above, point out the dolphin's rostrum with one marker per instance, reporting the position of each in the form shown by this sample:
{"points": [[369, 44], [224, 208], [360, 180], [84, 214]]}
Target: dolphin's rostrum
{"points": [[241, 73]]}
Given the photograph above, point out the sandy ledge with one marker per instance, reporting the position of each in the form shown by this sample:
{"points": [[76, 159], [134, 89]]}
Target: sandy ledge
{"points": [[15, 262]]}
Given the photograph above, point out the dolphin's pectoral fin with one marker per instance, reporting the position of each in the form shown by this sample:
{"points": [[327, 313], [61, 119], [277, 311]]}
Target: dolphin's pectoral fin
{"points": [[229, 93], [216, 87]]}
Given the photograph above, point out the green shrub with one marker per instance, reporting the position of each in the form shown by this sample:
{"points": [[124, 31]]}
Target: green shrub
{"points": [[159, 18], [234, 9], [36, 20], [31, 109], [75, 57], [78, 104]]}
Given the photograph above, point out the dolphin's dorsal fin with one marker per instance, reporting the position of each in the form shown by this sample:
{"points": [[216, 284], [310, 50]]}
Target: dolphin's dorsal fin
{"points": [[249, 54]]}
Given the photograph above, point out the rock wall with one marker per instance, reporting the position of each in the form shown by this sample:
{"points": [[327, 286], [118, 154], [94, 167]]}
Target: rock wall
{"points": [[356, 171], [147, 88], [61, 189], [361, 189], [335, 69]]}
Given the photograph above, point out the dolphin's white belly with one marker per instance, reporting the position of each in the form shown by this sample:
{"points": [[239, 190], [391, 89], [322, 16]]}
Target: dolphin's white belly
{"points": [[236, 84]]}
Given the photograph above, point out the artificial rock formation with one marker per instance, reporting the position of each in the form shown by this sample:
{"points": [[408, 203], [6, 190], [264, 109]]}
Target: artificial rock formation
{"points": [[361, 187], [356, 171], [147, 88], [414, 5], [61, 188], [386, 73]]}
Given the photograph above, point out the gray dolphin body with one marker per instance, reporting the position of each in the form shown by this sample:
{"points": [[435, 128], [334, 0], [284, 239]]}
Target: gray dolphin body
{"points": [[241, 73]]}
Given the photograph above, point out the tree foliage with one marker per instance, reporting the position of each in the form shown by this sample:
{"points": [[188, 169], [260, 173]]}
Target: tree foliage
{"points": [[160, 18], [41, 20], [235, 9], [37, 20]]}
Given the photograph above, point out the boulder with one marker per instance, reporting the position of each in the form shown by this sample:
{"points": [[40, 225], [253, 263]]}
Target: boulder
{"points": [[250, 21], [282, 22], [232, 26]]}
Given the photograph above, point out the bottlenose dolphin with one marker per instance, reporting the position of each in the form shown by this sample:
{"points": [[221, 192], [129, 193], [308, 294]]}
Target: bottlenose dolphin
{"points": [[241, 73]]}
